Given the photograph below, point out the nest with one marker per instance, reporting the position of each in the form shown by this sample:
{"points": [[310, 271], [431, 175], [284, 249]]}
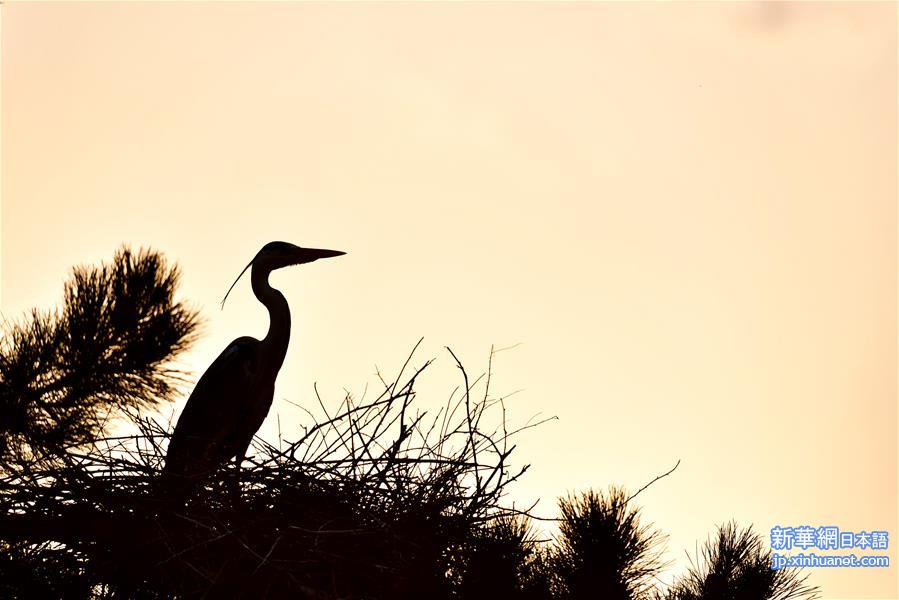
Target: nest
{"points": [[374, 500]]}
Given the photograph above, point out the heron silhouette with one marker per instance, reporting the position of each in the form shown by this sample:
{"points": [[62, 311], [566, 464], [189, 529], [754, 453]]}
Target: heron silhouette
{"points": [[233, 397]]}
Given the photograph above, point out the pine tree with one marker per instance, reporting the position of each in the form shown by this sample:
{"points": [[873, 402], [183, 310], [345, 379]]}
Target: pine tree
{"points": [[734, 565], [65, 373], [603, 550]]}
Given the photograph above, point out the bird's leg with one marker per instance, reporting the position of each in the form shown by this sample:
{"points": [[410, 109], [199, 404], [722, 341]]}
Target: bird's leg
{"points": [[236, 496]]}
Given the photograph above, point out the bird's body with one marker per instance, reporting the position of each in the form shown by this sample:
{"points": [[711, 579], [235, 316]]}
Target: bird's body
{"points": [[208, 434], [233, 397]]}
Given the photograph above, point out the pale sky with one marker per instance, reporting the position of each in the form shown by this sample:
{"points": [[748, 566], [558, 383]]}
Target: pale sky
{"points": [[684, 213]]}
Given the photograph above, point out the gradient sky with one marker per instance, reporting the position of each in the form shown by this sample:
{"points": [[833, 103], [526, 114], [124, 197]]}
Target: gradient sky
{"points": [[684, 213]]}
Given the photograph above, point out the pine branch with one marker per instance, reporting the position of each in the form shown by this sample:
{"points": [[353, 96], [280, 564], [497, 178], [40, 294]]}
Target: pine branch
{"points": [[110, 347]]}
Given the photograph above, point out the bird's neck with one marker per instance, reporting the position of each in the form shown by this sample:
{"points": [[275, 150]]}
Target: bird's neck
{"points": [[275, 342]]}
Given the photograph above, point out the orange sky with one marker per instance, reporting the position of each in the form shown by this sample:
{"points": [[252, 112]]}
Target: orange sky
{"points": [[685, 213]]}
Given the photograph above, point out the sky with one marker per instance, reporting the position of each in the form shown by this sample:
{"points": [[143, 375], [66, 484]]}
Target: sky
{"points": [[682, 215]]}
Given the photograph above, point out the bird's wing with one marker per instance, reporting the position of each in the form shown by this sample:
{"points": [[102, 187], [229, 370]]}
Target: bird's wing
{"points": [[199, 444]]}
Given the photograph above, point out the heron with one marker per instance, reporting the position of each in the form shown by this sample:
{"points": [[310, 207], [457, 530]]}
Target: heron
{"points": [[233, 396]]}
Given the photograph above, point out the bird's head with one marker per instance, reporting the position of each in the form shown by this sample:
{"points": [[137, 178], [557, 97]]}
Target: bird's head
{"points": [[276, 255]]}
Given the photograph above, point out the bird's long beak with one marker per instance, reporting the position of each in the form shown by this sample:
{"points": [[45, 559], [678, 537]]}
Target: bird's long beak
{"points": [[305, 255]]}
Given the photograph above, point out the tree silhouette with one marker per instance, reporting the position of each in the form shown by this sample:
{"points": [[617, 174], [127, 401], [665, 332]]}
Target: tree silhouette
{"points": [[603, 550], [734, 565], [63, 374]]}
